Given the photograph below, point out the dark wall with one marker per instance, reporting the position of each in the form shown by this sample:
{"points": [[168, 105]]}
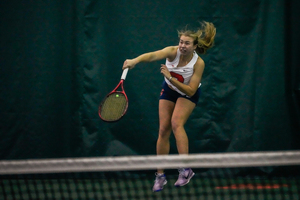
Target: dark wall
{"points": [[60, 58]]}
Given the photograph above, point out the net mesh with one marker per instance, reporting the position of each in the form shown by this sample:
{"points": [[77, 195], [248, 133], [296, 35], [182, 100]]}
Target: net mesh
{"points": [[265, 175], [113, 107]]}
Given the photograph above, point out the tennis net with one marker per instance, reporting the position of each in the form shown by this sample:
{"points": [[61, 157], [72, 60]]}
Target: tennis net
{"points": [[247, 175]]}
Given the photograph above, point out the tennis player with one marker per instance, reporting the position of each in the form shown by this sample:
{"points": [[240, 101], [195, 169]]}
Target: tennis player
{"points": [[180, 92]]}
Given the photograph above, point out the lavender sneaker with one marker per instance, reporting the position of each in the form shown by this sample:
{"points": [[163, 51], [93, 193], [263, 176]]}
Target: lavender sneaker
{"points": [[184, 177], [160, 181]]}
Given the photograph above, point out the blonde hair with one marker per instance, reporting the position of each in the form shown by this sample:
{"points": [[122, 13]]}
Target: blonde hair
{"points": [[204, 37]]}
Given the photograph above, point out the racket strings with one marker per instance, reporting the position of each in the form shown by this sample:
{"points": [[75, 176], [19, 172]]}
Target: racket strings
{"points": [[113, 107]]}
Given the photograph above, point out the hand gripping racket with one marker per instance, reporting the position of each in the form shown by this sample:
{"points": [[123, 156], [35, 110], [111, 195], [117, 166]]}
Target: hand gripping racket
{"points": [[115, 104]]}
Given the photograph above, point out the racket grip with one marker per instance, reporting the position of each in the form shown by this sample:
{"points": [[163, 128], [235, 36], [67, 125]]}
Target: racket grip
{"points": [[124, 74]]}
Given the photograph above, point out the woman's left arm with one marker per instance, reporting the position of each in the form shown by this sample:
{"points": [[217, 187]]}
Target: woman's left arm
{"points": [[192, 87]]}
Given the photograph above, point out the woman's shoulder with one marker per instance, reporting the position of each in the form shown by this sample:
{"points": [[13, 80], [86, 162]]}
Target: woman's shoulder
{"points": [[200, 62], [172, 49], [172, 52]]}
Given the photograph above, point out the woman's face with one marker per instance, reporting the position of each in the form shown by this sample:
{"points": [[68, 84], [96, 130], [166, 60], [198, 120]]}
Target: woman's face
{"points": [[186, 45]]}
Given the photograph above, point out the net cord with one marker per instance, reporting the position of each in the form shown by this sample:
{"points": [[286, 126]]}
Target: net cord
{"points": [[127, 163]]}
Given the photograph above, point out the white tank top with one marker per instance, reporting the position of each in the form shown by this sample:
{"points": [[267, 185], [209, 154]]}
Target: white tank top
{"points": [[182, 74]]}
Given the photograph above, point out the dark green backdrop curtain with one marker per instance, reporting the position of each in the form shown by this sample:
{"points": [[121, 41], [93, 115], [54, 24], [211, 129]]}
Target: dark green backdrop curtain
{"points": [[292, 67], [60, 58], [40, 91]]}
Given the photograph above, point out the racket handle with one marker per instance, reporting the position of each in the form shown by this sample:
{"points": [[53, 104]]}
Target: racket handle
{"points": [[124, 74]]}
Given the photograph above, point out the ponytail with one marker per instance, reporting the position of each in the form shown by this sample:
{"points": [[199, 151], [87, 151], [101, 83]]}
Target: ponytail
{"points": [[204, 37]]}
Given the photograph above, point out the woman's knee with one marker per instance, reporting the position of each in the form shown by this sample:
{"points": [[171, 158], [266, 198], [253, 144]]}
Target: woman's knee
{"points": [[165, 131], [176, 124]]}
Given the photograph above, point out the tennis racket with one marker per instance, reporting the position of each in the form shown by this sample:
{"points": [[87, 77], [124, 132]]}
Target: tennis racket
{"points": [[114, 105]]}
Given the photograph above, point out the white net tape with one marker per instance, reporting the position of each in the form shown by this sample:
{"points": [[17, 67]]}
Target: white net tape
{"points": [[126, 163]]}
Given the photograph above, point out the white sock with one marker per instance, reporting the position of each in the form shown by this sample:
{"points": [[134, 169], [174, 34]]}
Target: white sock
{"points": [[160, 174]]}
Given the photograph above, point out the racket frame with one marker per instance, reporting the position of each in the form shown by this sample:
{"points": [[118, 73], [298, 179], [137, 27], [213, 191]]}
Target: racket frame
{"points": [[114, 91]]}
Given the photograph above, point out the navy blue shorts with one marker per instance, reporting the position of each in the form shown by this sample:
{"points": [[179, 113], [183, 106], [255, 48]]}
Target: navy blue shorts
{"points": [[171, 95]]}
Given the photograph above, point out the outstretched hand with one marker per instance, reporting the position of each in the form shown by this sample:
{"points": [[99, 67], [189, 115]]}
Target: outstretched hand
{"points": [[129, 63], [164, 70]]}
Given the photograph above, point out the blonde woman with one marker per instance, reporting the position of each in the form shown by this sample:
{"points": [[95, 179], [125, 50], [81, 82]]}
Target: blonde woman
{"points": [[182, 73]]}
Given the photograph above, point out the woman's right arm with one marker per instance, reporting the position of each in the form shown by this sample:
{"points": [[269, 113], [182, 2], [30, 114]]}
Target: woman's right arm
{"points": [[168, 52]]}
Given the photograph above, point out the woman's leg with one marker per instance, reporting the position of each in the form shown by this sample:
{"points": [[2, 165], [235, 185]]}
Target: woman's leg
{"points": [[181, 113], [166, 108], [163, 142]]}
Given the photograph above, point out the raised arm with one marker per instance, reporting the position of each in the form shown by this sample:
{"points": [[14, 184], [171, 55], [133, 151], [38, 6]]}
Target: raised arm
{"points": [[168, 52]]}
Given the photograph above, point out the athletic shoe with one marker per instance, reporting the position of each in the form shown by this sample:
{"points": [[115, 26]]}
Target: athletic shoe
{"points": [[184, 177], [160, 181]]}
